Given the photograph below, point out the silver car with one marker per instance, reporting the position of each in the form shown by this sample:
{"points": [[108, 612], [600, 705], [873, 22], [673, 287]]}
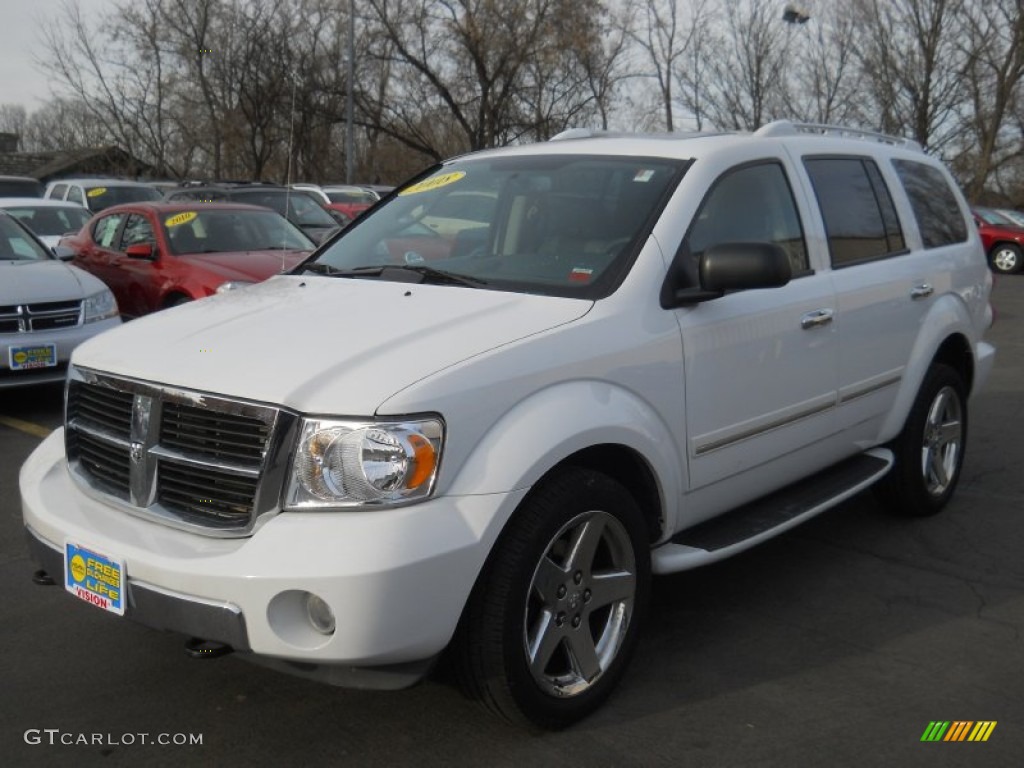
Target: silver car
{"points": [[47, 308]]}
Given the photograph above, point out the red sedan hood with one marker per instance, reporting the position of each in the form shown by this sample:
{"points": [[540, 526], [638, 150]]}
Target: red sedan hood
{"points": [[248, 265]]}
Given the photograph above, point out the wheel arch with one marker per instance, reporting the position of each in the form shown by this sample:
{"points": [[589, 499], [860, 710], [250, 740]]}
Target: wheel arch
{"points": [[945, 338], [172, 296], [589, 424]]}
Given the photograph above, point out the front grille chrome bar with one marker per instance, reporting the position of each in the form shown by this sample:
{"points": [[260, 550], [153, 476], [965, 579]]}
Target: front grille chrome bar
{"points": [[222, 476]]}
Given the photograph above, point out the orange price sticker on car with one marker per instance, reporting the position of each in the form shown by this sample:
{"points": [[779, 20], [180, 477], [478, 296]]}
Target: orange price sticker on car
{"points": [[434, 182], [180, 218], [97, 191]]}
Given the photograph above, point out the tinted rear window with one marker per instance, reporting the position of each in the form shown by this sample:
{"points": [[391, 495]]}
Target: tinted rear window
{"points": [[859, 215], [934, 204], [20, 188]]}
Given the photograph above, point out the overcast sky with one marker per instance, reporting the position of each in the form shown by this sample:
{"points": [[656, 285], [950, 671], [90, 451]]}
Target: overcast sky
{"points": [[20, 20]]}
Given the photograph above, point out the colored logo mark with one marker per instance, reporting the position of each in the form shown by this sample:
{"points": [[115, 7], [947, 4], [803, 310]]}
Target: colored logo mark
{"points": [[959, 730]]}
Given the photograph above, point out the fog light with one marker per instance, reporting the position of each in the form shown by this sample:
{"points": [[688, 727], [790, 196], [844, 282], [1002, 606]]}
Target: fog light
{"points": [[320, 614]]}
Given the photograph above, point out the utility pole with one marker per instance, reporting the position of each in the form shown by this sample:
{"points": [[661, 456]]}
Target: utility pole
{"points": [[349, 95]]}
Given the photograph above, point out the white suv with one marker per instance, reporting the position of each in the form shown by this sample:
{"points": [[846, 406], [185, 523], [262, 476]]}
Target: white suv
{"points": [[487, 441]]}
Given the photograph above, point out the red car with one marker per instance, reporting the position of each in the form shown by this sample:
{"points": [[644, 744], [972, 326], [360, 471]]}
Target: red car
{"points": [[1002, 239], [157, 255]]}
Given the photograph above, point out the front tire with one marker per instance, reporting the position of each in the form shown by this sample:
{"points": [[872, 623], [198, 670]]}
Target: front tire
{"points": [[929, 451], [1005, 258], [554, 616]]}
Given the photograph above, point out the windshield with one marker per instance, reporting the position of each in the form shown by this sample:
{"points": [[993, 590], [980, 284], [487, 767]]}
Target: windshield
{"points": [[101, 197], [212, 231], [18, 245], [562, 225], [301, 209], [51, 221]]}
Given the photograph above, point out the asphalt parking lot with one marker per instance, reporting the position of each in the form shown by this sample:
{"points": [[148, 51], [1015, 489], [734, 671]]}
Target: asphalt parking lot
{"points": [[834, 645]]}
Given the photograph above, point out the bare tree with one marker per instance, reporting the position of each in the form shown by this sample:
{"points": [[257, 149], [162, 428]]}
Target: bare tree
{"points": [[912, 66], [670, 44], [745, 83], [992, 44], [13, 119], [821, 81]]}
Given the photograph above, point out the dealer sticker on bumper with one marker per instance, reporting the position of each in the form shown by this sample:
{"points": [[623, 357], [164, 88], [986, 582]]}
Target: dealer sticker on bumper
{"points": [[26, 358], [95, 578]]}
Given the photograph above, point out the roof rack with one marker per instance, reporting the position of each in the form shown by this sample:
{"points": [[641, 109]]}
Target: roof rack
{"points": [[788, 128], [594, 133]]}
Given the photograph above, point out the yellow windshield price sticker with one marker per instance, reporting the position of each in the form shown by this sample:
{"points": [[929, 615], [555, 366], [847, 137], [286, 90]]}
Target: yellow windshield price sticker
{"points": [[434, 182], [180, 218], [97, 191]]}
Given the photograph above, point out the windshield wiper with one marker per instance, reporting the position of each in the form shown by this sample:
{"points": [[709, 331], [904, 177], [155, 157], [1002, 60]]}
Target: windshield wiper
{"points": [[404, 273]]}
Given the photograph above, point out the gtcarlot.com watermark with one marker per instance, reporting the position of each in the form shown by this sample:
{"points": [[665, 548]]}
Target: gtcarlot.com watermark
{"points": [[55, 737]]}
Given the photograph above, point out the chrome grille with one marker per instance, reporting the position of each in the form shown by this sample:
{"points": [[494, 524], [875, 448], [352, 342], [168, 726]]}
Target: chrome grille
{"points": [[105, 461], [191, 460], [217, 498], [240, 438], [44, 316]]}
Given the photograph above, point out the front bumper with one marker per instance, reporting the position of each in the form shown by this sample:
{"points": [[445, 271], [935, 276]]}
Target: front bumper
{"points": [[395, 579], [66, 340]]}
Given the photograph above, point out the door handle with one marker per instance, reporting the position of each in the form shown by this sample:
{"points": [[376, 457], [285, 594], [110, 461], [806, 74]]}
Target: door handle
{"points": [[922, 291], [816, 319]]}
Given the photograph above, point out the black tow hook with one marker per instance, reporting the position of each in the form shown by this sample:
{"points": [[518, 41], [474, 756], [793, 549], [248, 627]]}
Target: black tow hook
{"points": [[197, 648], [43, 579]]}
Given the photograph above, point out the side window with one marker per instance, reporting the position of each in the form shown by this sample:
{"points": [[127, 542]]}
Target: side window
{"points": [[136, 230], [106, 230], [752, 203], [76, 195], [58, 192], [934, 204], [860, 219]]}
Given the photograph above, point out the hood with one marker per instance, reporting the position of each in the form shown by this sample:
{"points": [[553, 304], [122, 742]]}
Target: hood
{"points": [[252, 266], [24, 282], [321, 345]]}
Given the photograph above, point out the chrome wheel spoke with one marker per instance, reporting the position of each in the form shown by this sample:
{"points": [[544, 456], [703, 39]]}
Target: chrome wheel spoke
{"points": [[542, 642], [948, 433], [547, 580], [937, 469], [583, 654], [608, 588], [585, 540]]}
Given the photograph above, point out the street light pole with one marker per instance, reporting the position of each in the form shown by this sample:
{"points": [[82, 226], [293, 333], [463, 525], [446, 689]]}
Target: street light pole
{"points": [[349, 96]]}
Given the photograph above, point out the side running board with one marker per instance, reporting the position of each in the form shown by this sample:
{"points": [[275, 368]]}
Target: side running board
{"points": [[764, 518]]}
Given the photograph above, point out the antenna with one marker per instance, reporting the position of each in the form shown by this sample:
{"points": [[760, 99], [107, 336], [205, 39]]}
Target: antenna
{"points": [[288, 168]]}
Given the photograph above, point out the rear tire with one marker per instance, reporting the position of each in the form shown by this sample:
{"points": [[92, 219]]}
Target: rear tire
{"points": [[929, 451], [555, 614]]}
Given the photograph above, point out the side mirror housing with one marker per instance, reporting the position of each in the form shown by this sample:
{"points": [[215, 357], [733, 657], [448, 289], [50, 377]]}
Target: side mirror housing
{"points": [[63, 252], [736, 267], [141, 251]]}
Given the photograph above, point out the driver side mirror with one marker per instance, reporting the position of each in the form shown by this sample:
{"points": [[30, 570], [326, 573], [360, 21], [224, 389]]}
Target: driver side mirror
{"points": [[736, 267], [141, 251], [63, 253]]}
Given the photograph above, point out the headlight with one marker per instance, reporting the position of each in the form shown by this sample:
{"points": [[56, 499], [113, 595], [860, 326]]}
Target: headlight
{"points": [[354, 464], [232, 285], [100, 306]]}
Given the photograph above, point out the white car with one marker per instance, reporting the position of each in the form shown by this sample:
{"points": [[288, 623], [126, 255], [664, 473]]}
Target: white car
{"points": [[99, 193], [49, 220], [47, 308], [656, 353]]}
